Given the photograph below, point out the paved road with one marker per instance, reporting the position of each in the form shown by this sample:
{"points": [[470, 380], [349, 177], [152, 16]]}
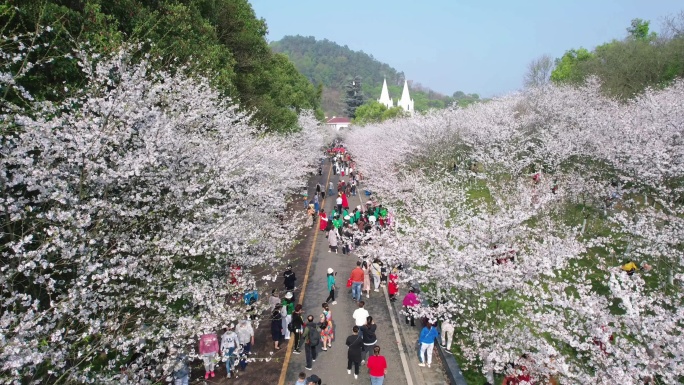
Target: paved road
{"points": [[331, 365]]}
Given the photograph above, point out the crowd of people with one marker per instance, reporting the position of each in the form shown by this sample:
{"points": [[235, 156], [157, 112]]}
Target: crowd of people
{"points": [[345, 229]]}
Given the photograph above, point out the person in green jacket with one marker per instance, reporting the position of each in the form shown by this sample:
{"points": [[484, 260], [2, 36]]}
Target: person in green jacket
{"points": [[331, 286], [338, 222], [383, 212]]}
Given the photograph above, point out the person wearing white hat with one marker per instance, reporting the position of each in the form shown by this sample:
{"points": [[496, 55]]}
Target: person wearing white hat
{"points": [[331, 286], [286, 313]]}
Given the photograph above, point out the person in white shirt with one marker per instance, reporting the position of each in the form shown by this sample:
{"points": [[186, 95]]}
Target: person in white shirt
{"points": [[338, 201], [360, 315], [229, 344]]}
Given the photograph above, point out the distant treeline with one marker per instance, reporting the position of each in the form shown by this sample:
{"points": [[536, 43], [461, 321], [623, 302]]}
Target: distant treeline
{"points": [[332, 65], [627, 67]]}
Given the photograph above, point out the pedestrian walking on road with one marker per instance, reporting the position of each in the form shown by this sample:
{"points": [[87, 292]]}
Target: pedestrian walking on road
{"points": [[357, 281], [313, 380], [310, 213], [229, 345], [383, 274], [447, 333], [326, 332], [286, 312], [331, 287], [377, 367], [323, 220], [393, 286], [181, 368], [273, 300], [297, 328], [354, 351], [410, 303], [311, 339], [338, 202], [427, 343], [277, 327], [209, 348], [290, 278], [369, 338], [331, 189], [360, 315], [366, 279], [245, 333], [376, 267], [332, 240]]}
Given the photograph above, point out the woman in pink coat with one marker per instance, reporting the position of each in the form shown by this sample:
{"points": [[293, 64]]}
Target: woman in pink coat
{"points": [[366, 279]]}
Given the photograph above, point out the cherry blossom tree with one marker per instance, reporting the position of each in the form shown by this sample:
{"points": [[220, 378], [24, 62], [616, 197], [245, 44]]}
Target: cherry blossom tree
{"points": [[485, 198], [124, 208]]}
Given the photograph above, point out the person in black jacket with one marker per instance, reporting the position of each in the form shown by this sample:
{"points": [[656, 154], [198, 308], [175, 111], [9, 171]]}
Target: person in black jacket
{"points": [[277, 326], [298, 327], [354, 351], [311, 337], [369, 339], [290, 278]]}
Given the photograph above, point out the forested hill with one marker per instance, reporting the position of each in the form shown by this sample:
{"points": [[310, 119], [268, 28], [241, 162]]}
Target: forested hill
{"points": [[221, 40], [330, 64], [326, 62]]}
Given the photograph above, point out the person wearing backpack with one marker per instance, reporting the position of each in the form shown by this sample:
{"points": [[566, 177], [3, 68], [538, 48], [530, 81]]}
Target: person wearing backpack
{"points": [[311, 339]]}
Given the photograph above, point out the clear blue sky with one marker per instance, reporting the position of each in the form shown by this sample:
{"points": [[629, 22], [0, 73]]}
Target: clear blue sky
{"points": [[468, 45]]}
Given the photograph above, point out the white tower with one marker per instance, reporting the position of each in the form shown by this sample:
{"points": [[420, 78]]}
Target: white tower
{"points": [[406, 102], [384, 96]]}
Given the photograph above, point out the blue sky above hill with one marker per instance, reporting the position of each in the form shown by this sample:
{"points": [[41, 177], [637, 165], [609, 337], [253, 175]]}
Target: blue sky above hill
{"points": [[471, 46]]}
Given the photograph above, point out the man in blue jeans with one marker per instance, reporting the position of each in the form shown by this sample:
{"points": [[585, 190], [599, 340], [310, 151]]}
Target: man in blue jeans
{"points": [[357, 282]]}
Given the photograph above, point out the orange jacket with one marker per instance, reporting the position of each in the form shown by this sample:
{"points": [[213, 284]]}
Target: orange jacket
{"points": [[357, 275]]}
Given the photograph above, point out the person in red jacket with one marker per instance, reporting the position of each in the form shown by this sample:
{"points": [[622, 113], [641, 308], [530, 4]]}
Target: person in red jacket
{"points": [[393, 287], [323, 220], [377, 366], [345, 202]]}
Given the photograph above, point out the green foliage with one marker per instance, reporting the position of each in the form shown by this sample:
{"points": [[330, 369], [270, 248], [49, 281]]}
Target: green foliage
{"points": [[568, 66], [326, 62], [626, 67], [463, 100], [375, 112], [330, 64], [639, 30], [354, 96], [222, 40]]}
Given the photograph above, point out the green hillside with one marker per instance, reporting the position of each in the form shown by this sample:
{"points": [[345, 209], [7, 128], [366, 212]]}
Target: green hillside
{"points": [[221, 39], [330, 64]]}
